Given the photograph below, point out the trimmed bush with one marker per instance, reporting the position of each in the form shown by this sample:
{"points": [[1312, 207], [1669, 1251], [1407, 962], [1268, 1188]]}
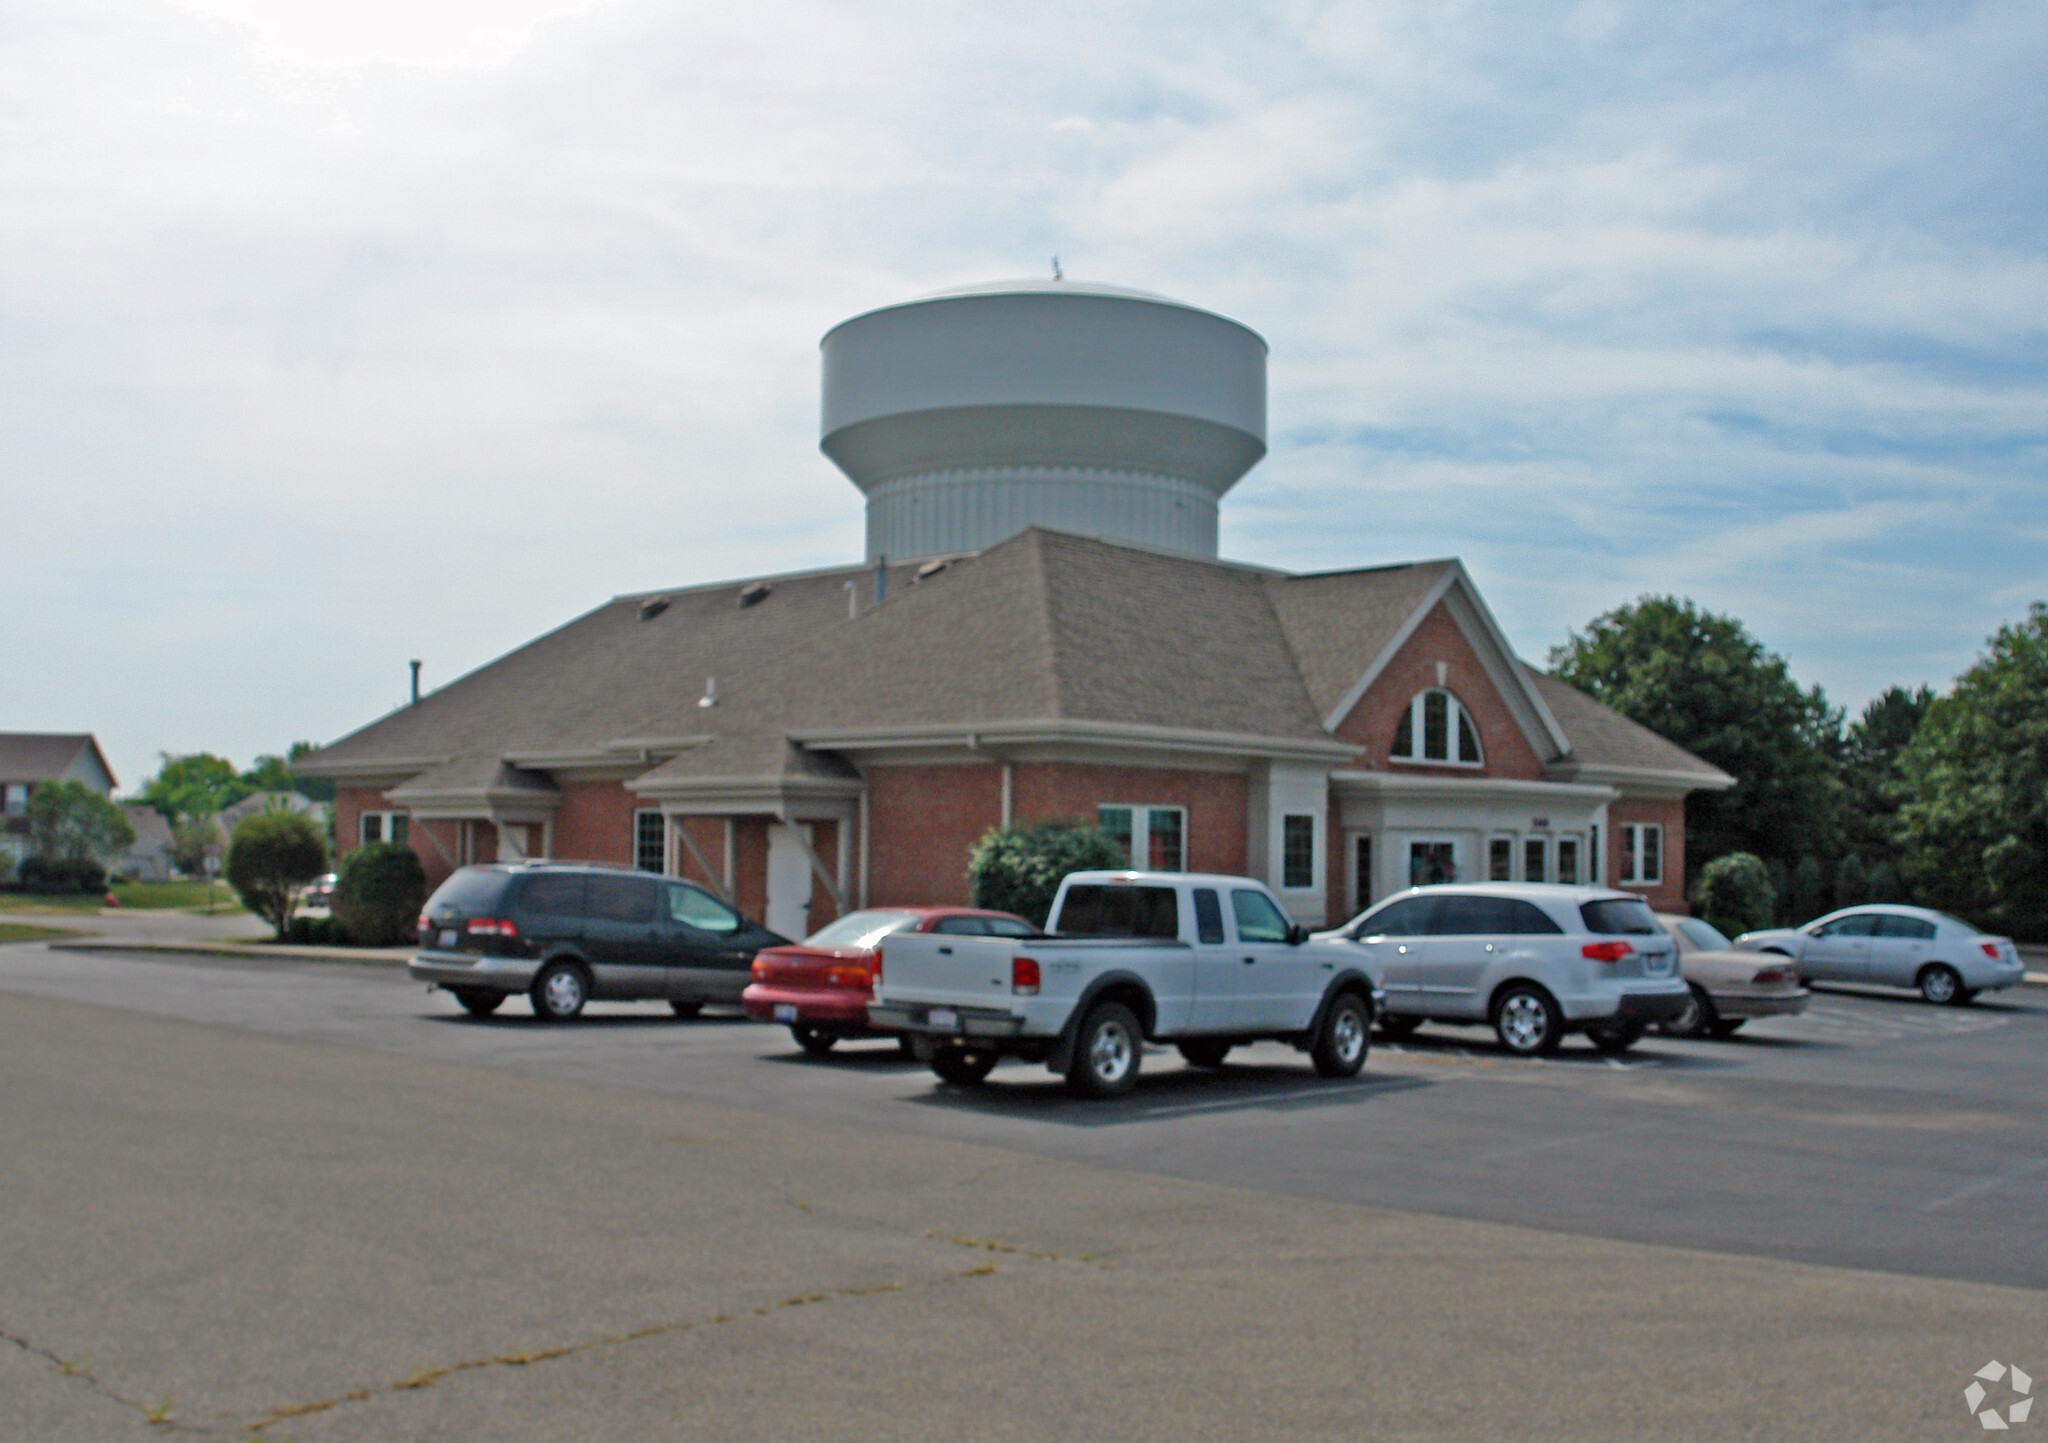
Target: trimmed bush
{"points": [[315, 932], [1735, 894], [1019, 870], [270, 856], [378, 894], [62, 875]]}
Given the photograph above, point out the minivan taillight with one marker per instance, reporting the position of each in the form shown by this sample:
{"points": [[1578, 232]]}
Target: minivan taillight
{"points": [[491, 927], [1024, 976], [1605, 951]]}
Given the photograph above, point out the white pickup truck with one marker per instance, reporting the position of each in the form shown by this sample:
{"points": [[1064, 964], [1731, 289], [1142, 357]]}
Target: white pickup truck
{"points": [[1206, 962]]}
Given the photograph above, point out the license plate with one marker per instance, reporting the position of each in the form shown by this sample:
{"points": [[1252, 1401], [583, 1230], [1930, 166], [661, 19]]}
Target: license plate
{"points": [[785, 1012], [447, 936], [943, 1017]]}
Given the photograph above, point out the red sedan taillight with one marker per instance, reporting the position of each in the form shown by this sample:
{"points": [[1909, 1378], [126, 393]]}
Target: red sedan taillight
{"points": [[491, 927], [760, 970], [846, 977], [1605, 951], [1024, 976]]}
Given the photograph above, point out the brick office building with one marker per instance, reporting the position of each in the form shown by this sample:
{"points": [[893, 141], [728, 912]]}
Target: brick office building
{"points": [[806, 744]]}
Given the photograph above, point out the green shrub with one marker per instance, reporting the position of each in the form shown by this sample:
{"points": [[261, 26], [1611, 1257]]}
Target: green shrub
{"points": [[270, 856], [58, 875], [1019, 870], [315, 932], [378, 894], [1735, 894]]}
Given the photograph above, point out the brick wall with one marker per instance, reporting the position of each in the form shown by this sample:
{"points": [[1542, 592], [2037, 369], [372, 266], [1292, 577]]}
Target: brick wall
{"points": [[1669, 894], [1215, 803], [1372, 722], [921, 821]]}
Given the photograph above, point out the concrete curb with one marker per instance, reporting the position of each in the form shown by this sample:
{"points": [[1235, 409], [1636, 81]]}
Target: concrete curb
{"points": [[256, 951]]}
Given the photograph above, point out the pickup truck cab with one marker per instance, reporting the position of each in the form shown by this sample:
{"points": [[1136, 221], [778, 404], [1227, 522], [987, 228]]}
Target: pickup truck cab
{"points": [[1206, 962]]}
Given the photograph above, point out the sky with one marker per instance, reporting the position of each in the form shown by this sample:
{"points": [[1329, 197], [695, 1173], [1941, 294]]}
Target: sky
{"points": [[338, 335]]}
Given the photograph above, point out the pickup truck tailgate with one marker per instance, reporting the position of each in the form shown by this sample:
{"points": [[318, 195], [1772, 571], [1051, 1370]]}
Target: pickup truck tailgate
{"points": [[933, 967]]}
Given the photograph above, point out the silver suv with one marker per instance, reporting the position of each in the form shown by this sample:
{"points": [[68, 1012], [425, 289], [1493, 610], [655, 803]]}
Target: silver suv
{"points": [[1535, 961]]}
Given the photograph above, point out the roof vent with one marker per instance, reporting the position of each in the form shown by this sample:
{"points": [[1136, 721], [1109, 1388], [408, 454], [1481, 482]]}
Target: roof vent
{"points": [[755, 594], [653, 607], [932, 568]]}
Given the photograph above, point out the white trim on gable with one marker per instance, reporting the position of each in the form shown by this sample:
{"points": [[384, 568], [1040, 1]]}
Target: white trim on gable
{"points": [[1469, 612]]}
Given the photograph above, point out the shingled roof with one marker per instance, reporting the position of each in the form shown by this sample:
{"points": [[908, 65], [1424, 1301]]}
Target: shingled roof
{"points": [[43, 756], [1044, 628]]}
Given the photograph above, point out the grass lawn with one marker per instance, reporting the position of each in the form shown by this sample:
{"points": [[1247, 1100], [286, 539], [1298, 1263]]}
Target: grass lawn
{"points": [[143, 896], [22, 932]]}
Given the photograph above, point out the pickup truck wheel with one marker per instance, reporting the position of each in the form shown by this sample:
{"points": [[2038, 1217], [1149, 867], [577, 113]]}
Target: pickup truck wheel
{"points": [[479, 1001], [1526, 1021], [1106, 1052], [1202, 1052], [814, 1040], [962, 1067], [560, 992], [1342, 1040]]}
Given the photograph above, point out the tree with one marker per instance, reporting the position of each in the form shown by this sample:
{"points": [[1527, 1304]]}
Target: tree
{"points": [[1973, 826], [379, 892], [1735, 894], [193, 840], [1810, 894], [70, 822], [272, 854], [1852, 883], [275, 774], [1019, 870], [198, 784], [1869, 768], [1702, 681]]}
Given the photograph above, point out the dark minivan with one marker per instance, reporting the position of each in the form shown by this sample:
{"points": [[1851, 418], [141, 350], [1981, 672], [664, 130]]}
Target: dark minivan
{"points": [[570, 933]]}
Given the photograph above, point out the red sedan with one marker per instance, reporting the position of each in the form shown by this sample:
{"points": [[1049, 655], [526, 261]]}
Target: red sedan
{"points": [[820, 986]]}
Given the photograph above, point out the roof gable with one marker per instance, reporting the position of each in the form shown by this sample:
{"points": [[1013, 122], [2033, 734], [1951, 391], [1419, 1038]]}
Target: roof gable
{"points": [[46, 756]]}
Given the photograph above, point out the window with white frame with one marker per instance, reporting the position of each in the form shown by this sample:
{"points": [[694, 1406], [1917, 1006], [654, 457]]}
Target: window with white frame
{"points": [[1639, 851], [1154, 838], [1500, 859], [1435, 728], [1297, 851], [383, 826], [1568, 860], [650, 842]]}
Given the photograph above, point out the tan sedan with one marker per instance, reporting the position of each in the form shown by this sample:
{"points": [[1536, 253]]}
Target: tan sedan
{"points": [[1728, 987]]}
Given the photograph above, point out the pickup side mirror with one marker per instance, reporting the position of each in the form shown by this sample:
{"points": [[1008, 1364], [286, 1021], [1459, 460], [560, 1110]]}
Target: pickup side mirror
{"points": [[1296, 934]]}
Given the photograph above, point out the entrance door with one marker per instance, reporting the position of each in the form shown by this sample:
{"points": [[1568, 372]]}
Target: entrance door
{"points": [[789, 881]]}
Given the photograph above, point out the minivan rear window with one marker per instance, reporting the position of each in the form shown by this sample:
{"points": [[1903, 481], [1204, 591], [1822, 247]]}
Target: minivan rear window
{"points": [[553, 894], [1624, 916], [474, 890], [1093, 910]]}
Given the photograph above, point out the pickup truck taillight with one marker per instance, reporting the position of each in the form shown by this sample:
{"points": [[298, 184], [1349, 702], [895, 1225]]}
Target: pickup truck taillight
{"points": [[1024, 976], [491, 927], [1605, 951]]}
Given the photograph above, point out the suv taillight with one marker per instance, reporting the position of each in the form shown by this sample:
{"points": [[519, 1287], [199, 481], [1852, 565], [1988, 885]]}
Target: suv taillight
{"points": [[1024, 976], [491, 927], [1605, 951]]}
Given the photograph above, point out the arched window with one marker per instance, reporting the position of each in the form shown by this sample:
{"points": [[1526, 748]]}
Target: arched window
{"points": [[1435, 728]]}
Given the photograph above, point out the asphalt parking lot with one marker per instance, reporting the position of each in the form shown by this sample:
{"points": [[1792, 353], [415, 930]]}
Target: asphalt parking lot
{"points": [[1839, 1209]]}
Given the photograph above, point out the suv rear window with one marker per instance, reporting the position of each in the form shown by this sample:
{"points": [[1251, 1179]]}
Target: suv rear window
{"points": [[474, 890], [1093, 910], [1624, 916]]}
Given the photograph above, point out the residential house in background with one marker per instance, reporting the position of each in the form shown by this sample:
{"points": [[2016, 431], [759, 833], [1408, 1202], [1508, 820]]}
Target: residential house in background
{"points": [[28, 759]]}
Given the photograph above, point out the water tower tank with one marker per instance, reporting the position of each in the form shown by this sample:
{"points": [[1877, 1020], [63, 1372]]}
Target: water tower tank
{"points": [[971, 414]]}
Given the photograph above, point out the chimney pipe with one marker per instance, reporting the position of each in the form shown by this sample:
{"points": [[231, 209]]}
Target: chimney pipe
{"points": [[415, 683]]}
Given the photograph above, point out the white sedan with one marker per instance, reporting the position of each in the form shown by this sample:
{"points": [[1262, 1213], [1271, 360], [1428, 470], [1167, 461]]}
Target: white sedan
{"points": [[1945, 957], [1728, 987]]}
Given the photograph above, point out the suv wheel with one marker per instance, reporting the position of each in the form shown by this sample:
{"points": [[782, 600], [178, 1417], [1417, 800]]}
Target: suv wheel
{"points": [[560, 992], [1106, 1052], [962, 1067], [1341, 1042], [478, 1001], [1526, 1021]]}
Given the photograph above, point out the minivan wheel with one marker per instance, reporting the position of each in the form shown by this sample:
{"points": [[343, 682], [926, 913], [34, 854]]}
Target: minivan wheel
{"points": [[560, 992], [814, 1040], [1526, 1021], [1940, 985], [1343, 1039], [1106, 1052], [478, 1001]]}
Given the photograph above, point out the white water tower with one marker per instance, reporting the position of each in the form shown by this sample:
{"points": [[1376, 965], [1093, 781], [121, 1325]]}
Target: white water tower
{"points": [[969, 415]]}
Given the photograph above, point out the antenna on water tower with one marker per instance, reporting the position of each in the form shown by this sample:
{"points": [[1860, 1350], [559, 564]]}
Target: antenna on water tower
{"points": [[1056, 275]]}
